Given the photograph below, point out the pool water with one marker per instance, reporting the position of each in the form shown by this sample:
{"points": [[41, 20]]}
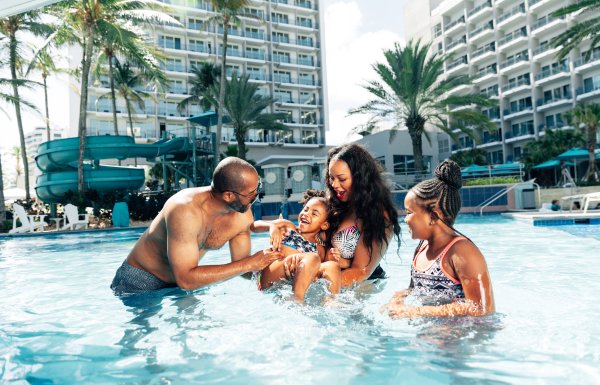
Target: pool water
{"points": [[61, 324]]}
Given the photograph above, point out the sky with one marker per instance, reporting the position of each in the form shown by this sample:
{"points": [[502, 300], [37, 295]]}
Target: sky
{"points": [[356, 33]]}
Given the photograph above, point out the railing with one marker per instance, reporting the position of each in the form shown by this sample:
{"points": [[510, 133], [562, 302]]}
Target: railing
{"points": [[566, 97], [479, 30], [487, 4], [520, 82], [581, 61], [510, 111], [513, 60], [456, 43], [502, 193], [551, 71], [533, 2], [485, 71], [516, 10], [456, 63], [454, 23], [482, 50], [545, 20], [541, 49], [588, 89], [510, 37]]}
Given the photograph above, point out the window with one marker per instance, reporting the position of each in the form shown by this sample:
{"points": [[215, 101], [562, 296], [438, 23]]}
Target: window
{"points": [[195, 24], [282, 96], [308, 117], [279, 18], [306, 41], [281, 57], [169, 42], [305, 60], [255, 33], [280, 37], [437, 30], [444, 146], [309, 137], [405, 164], [306, 79], [282, 76]]}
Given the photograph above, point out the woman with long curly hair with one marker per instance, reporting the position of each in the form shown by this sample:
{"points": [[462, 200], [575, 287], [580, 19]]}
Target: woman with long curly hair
{"points": [[362, 216]]}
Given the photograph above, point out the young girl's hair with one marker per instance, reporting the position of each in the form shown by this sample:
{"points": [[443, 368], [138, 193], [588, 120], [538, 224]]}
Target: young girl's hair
{"points": [[442, 192], [312, 193]]}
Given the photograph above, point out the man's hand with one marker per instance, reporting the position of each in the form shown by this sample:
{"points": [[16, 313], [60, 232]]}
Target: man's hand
{"points": [[264, 258]]}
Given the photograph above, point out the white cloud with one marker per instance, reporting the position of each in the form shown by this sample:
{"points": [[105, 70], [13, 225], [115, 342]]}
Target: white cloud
{"points": [[349, 56]]}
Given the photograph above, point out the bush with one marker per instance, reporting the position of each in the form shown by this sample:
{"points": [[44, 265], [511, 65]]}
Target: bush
{"points": [[493, 180]]}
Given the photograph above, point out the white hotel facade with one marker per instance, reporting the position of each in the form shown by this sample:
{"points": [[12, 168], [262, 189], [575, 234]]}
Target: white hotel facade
{"points": [[504, 46], [281, 50]]}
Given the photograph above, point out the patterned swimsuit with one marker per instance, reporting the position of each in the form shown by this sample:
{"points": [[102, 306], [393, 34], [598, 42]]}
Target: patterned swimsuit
{"points": [[346, 241], [298, 242], [434, 284]]}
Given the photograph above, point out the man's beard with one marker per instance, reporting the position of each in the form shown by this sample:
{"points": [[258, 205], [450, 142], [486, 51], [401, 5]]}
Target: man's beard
{"points": [[238, 206]]}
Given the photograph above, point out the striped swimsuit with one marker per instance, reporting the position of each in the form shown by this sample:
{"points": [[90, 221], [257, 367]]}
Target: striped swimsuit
{"points": [[346, 241], [434, 284]]}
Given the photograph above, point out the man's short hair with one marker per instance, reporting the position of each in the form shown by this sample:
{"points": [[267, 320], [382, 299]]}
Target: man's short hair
{"points": [[228, 175]]}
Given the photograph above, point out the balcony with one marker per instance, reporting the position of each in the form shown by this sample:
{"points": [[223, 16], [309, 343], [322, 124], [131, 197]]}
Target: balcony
{"points": [[456, 43], [512, 38], [514, 63], [453, 25], [483, 53], [584, 64], [511, 113], [543, 51], [588, 91], [545, 24], [479, 11], [520, 134], [546, 104], [456, 64], [485, 74], [481, 32], [511, 16], [517, 86], [550, 74]]}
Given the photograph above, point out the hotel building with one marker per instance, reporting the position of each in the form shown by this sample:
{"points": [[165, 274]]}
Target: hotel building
{"points": [[280, 48], [504, 45]]}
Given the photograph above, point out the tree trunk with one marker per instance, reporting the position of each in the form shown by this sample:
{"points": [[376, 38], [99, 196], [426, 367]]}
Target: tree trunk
{"points": [[88, 50], [222, 84], [44, 76], [13, 73], [241, 142], [112, 94], [417, 145], [591, 174], [2, 208]]}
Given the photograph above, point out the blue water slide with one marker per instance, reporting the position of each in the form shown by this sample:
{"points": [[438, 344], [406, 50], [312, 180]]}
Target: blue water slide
{"points": [[57, 159]]}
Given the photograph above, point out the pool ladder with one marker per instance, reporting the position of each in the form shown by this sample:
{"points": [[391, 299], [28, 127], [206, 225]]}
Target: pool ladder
{"points": [[502, 193]]}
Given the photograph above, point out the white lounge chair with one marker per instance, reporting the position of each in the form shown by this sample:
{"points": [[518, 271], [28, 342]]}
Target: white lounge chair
{"points": [[585, 200], [29, 223], [74, 220]]}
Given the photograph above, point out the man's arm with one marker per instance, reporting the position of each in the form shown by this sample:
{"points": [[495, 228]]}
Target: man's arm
{"points": [[182, 247]]}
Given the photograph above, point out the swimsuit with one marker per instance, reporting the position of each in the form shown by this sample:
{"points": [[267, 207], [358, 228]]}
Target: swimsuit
{"points": [[346, 241], [298, 242], [131, 280], [434, 283]]}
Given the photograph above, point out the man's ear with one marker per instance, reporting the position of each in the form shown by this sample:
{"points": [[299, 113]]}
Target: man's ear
{"points": [[325, 226]]}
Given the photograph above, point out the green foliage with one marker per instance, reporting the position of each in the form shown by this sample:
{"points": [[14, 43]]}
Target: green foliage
{"points": [[471, 156], [553, 143], [585, 28], [493, 180]]}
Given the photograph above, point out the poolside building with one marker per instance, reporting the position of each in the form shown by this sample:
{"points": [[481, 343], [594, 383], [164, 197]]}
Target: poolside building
{"points": [[504, 45], [282, 51]]}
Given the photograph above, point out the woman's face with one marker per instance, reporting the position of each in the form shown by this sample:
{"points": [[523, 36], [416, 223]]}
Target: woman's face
{"points": [[340, 179], [417, 218]]}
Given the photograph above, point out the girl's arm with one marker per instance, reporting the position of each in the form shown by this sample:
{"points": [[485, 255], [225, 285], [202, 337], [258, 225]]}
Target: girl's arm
{"points": [[471, 270], [277, 229]]}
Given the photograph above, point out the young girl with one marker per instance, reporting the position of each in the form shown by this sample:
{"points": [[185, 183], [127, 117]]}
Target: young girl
{"points": [[303, 249], [449, 273]]}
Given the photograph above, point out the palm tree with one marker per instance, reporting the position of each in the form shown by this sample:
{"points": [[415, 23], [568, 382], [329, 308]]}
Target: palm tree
{"points": [[411, 91], [18, 171], [244, 107], [10, 27], [587, 116], [126, 83], [204, 79], [580, 31], [91, 23], [9, 99], [44, 62], [228, 11]]}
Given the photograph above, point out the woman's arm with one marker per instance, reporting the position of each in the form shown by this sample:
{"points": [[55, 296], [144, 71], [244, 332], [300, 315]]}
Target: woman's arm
{"points": [[471, 270], [363, 264]]}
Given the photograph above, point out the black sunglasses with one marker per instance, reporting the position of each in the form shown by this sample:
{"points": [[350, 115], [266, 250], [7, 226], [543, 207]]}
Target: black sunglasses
{"points": [[256, 192]]}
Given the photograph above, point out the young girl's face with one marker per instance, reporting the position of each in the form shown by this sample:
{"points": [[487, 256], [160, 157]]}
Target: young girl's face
{"points": [[340, 179], [313, 217], [417, 218]]}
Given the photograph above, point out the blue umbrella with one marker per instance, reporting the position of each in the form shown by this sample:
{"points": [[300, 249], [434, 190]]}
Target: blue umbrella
{"points": [[551, 164], [574, 153]]}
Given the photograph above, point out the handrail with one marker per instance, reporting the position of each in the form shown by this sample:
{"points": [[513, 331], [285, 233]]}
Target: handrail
{"points": [[501, 193]]}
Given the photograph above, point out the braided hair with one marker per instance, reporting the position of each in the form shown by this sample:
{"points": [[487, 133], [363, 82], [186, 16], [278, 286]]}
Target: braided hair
{"points": [[442, 192], [370, 198]]}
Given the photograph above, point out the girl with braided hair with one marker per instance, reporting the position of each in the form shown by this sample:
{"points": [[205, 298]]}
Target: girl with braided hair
{"points": [[448, 274], [362, 216]]}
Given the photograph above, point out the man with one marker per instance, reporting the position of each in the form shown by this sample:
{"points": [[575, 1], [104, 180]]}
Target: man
{"points": [[193, 221]]}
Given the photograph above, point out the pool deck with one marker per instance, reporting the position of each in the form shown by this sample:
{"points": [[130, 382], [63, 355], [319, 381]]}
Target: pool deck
{"points": [[556, 218]]}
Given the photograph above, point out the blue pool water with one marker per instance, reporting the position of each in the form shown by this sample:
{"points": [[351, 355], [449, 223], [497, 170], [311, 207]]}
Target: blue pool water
{"points": [[60, 323]]}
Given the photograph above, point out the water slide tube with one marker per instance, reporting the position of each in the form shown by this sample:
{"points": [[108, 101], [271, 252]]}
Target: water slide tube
{"points": [[57, 159]]}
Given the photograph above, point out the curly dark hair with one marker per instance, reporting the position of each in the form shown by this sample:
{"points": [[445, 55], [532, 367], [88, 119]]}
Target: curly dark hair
{"points": [[370, 198], [313, 193], [442, 192]]}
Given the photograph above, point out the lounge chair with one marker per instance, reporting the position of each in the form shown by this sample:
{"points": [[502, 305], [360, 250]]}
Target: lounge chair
{"points": [[29, 223], [585, 199], [74, 220]]}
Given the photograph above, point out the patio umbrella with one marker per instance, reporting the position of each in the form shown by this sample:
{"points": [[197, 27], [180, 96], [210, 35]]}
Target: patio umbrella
{"points": [[475, 170], [575, 154], [552, 163]]}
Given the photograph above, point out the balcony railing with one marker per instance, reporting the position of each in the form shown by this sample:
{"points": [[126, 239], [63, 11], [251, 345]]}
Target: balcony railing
{"points": [[545, 20], [552, 71], [516, 10], [482, 50], [512, 36], [456, 43], [518, 83], [566, 97], [487, 4], [485, 71], [456, 63], [479, 30], [513, 60], [587, 89], [454, 23], [516, 110], [581, 61], [541, 49]]}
